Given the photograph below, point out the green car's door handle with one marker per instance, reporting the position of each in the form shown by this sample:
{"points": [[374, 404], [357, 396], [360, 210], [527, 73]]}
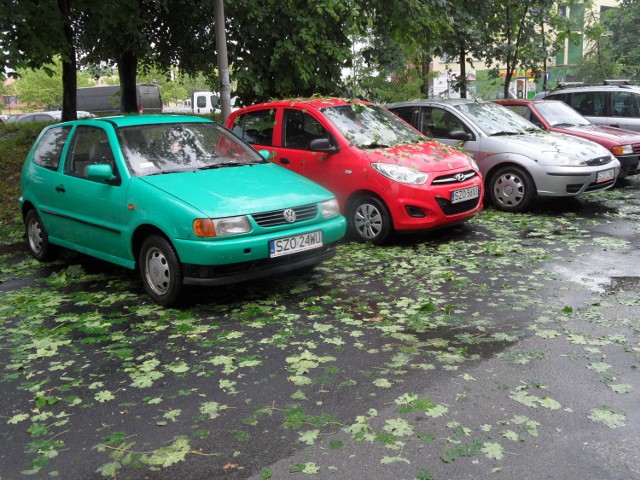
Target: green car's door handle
{"points": [[60, 188]]}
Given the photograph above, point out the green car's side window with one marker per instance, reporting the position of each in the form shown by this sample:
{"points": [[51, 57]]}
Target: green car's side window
{"points": [[49, 149], [89, 146]]}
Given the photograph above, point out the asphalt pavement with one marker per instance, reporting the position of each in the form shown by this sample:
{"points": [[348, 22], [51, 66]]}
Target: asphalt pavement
{"points": [[507, 348]]}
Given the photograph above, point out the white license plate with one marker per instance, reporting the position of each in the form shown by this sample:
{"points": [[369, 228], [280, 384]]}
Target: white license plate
{"points": [[605, 175], [297, 243], [464, 194]]}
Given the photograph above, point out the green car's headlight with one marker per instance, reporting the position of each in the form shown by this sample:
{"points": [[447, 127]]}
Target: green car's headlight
{"points": [[400, 173], [330, 208], [219, 227]]}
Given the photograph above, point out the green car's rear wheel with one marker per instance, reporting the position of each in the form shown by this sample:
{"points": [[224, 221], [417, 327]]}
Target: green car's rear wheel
{"points": [[38, 238]]}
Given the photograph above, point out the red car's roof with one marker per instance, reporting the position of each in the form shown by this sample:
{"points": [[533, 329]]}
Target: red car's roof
{"points": [[315, 102]]}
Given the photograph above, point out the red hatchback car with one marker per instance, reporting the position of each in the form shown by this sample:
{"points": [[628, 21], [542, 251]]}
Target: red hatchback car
{"points": [[557, 116], [386, 175]]}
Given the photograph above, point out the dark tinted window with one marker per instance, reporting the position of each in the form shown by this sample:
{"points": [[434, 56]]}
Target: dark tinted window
{"points": [[300, 129], [256, 127], [405, 113], [49, 149], [589, 103], [626, 104]]}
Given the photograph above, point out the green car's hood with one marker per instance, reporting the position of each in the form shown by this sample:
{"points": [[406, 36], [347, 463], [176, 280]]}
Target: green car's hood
{"points": [[230, 191]]}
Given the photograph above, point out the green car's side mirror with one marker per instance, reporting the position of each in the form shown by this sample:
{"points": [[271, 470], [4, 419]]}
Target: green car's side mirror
{"points": [[101, 172], [266, 154]]}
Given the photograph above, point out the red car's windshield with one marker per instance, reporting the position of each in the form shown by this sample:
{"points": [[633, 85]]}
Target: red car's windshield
{"points": [[369, 126]]}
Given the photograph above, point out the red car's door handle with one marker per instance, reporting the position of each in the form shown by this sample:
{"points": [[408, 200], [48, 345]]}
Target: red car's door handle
{"points": [[284, 161]]}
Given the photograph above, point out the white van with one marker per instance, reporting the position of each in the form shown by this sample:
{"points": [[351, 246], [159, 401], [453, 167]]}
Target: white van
{"points": [[204, 103]]}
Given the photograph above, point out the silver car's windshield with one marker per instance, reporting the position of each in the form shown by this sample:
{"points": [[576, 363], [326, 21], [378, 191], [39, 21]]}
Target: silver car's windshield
{"points": [[181, 147], [559, 114], [494, 119], [369, 126]]}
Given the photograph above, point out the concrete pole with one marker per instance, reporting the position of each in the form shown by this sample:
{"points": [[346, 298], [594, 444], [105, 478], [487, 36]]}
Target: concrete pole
{"points": [[223, 62]]}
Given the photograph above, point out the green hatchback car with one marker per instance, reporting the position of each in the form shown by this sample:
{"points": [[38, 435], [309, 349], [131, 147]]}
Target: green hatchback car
{"points": [[179, 198]]}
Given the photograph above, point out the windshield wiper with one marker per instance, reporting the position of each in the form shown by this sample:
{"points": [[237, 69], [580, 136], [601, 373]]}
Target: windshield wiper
{"points": [[222, 165], [374, 145], [505, 132], [564, 125]]}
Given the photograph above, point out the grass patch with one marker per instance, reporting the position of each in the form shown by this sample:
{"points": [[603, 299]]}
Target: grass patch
{"points": [[15, 142]]}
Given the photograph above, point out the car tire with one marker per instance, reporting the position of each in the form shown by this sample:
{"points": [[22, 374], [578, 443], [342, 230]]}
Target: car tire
{"points": [[161, 270], [38, 238], [511, 189], [369, 220]]}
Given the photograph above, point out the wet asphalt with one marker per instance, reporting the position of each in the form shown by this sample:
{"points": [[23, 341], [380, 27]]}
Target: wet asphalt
{"points": [[506, 348]]}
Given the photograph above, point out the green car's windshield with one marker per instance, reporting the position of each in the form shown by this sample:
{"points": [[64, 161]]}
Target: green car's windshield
{"points": [[494, 119], [369, 126], [179, 147]]}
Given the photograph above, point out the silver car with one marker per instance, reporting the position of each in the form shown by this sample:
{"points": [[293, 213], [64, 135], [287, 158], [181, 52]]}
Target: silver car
{"points": [[518, 160]]}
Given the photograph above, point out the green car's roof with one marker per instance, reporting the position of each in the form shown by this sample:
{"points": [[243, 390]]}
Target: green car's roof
{"points": [[134, 119]]}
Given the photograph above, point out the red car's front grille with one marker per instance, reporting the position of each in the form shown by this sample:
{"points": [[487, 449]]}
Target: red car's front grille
{"points": [[636, 148], [455, 208]]}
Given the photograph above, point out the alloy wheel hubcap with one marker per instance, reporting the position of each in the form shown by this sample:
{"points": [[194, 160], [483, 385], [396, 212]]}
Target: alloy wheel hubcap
{"points": [[368, 221], [509, 189], [157, 271], [35, 237]]}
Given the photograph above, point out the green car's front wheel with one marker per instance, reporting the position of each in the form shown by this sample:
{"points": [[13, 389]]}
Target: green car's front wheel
{"points": [[161, 270]]}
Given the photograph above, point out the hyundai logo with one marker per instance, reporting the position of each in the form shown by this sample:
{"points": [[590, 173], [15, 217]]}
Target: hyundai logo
{"points": [[289, 215], [460, 177]]}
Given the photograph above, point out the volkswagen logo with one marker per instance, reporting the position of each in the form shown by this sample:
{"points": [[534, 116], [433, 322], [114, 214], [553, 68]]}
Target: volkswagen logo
{"points": [[289, 215], [461, 177]]}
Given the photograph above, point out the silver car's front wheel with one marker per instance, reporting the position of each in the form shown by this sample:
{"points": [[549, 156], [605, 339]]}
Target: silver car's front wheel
{"points": [[511, 189]]}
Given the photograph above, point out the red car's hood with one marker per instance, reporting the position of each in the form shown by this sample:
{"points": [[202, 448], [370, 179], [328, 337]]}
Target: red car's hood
{"points": [[591, 132], [426, 157]]}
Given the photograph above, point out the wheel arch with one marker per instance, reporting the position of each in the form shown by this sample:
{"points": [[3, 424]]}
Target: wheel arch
{"points": [[510, 161], [358, 194], [26, 206], [138, 237]]}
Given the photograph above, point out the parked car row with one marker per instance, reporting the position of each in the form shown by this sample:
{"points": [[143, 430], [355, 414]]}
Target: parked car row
{"points": [[188, 202], [48, 116]]}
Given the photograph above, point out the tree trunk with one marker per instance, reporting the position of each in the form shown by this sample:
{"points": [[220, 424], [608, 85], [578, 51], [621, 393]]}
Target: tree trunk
{"points": [[128, 70], [69, 79], [425, 63], [462, 78]]}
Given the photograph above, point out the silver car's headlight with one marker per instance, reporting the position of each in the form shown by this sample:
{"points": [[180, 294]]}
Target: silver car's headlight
{"points": [[400, 173], [560, 159], [330, 208]]}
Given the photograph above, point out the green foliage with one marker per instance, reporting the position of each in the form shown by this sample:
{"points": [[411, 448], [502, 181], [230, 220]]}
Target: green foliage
{"points": [[623, 45], [15, 142], [288, 48]]}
